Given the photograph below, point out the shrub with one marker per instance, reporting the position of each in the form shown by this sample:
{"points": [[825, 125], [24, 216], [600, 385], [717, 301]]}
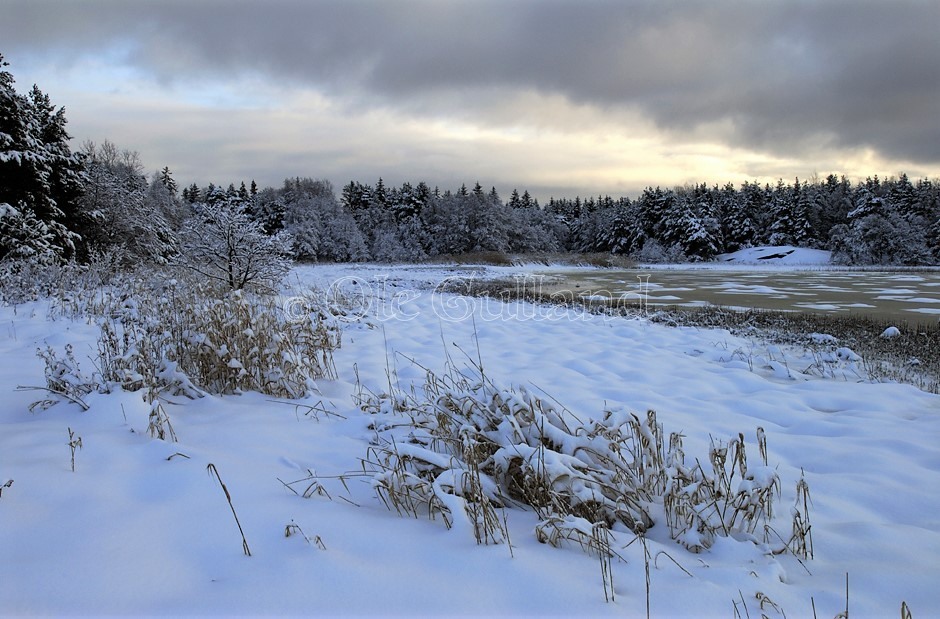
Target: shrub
{"points": [[176, 337]]}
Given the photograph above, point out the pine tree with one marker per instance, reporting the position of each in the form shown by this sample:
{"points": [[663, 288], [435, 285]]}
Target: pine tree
{"points": [[526, 200], [379, 195], [790, 212], [40, 179], [191, 194], [407, 204], [514, 201], [422, 194], [933, 239], [166, 177], [737, 225]]}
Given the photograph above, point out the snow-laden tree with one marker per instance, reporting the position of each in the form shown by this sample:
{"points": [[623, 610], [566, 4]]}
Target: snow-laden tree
{"points": [[40, 178], [933, 239], [878, 233], [738, 228], [626, 234], [446, 223], [790, 209], [692, 225], [224, 244], [401, 242], [166, 178], [488, 221], [25, 237], [532, 230], [121, 213], [654, 207], [320, 227], [408, 202]]}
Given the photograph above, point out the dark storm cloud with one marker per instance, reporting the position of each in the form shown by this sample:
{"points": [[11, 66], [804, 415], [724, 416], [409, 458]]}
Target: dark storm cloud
{"points": [[772, 76]]}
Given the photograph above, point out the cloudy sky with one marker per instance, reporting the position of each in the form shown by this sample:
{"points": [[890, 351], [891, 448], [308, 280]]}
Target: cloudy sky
{"points": [[559, 97]]}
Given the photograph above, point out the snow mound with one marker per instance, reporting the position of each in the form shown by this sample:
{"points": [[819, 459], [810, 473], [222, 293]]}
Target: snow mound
{"points": [[847, 354], [890, 332], [823, 338], [784, 254]]}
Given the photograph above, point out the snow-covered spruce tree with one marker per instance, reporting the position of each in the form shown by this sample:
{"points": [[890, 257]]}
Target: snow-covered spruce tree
{"points": [[832, 200], [446, 220], [691, 225], [654, 208], [737, 221], [790, 209], [588, 227], [40, 178], [488, 221], [532, 230], [877, 233], [25, 238], [626, 234], [224, 244]]}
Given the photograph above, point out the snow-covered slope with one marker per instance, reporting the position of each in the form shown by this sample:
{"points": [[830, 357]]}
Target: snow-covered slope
{"points": [[784, 254], [140, 528]]}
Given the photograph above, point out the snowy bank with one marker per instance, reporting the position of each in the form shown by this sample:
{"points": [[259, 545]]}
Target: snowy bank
{"points": [[140, 528], [779, 255]]}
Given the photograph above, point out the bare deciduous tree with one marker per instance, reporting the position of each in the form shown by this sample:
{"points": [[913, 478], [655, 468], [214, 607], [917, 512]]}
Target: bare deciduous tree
{"points": [[224, 244]]}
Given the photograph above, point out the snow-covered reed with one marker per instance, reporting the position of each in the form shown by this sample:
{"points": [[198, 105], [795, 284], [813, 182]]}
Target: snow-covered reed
{"points": [[464, 447], [179, 337]]}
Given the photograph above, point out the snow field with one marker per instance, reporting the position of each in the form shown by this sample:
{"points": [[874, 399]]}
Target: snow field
{"points": [[133, 532]]}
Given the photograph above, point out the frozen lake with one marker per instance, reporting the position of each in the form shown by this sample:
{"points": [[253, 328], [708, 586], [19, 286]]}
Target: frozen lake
{"points": [[912, 296]]}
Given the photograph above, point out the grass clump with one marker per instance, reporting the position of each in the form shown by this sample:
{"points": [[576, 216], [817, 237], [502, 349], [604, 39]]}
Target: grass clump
{"points": [[463, 448], [187, 340], [172, 337]]}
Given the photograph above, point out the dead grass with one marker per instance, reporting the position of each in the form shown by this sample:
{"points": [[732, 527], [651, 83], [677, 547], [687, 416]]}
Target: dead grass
{"points": [[75, 442], [210, 468], [178, 338], [492, 258], [465, 450], [495, 258]]}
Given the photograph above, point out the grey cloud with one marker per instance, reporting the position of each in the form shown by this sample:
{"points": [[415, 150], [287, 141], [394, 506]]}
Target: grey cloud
{"points": [[781, 75]]}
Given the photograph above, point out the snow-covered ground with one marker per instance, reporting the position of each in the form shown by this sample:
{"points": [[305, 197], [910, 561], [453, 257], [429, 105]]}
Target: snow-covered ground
{"points": [[140, 528]]}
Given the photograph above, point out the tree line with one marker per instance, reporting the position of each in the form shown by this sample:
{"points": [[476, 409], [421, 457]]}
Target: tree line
{"points": [[56, 205]]}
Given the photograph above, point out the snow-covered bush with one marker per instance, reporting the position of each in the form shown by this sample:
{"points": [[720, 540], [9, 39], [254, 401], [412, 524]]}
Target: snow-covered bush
{"points": [[30, 279], [27, 280], [64, 379]]}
